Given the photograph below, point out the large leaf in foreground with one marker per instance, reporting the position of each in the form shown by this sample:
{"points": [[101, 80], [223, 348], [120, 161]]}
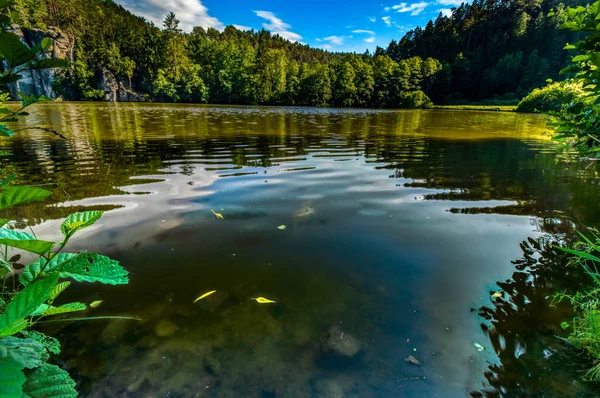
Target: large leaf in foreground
{"points": [[11, 378], [28, 300], [65, 309], [29, 353], [24, 241], [78, 221], [32, 270], [13, 50], [92, 267], [49, 381], [14, 328], [13, 196]]}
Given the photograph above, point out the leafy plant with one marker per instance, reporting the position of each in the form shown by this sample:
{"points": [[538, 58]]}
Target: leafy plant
{"points": [[585, 326], [31, 297], [579, 119]]}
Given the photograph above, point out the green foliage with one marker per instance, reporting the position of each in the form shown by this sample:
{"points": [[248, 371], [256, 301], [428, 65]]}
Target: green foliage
{"points": [[24, 371], [416, 100], [11, 378], [585, 327], [29, 353], [552, 97], [579, 120], [13, 196], [24, 241], [78, 221], [49, 381]]}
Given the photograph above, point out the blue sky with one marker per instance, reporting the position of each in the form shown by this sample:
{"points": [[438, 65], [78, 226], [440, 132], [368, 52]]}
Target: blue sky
{"points": [[336, 25]]}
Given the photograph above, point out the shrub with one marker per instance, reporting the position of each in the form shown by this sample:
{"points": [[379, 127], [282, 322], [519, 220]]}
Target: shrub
{"points": [[551, 97], [415, 100]]}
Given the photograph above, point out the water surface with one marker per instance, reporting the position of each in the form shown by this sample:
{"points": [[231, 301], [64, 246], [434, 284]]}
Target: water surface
{"points": [[399, 226]]}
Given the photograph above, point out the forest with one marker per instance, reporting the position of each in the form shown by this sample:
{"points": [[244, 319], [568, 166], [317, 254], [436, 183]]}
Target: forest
{"points": [[489, 50]]}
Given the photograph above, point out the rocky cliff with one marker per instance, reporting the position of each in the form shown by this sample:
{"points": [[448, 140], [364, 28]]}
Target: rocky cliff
{"points": [[39, 82], [115, 89]]}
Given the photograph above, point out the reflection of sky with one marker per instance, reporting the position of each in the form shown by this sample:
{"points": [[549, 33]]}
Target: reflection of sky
{"points": [[423, 267]]}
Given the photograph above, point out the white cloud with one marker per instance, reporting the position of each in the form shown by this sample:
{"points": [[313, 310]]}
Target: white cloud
{"points": [[191, 13], [414, 9], [371, 34], [447, 12], [387, 9], [277, 26], [319, 39], [372, 19], [387, 20], [326, 46], [368, 32], [337, 40], [242, 27], [451, 2]]}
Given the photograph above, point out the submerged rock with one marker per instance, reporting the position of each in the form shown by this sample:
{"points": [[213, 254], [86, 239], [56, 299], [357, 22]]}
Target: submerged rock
{"points": [[212, 364], [341, 343], [328, 388], [165, 328]]}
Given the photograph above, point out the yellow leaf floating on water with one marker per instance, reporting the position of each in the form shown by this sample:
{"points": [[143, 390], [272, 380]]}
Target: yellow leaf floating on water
{"points": [[262, 300], [497, 295], [281, 227], [205, 295], [218, 215], [95, 304]]}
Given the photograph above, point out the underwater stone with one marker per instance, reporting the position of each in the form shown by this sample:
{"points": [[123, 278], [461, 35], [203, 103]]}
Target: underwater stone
{"points": [[342, 343], [136, 386], [165, 328], [212, 364], [329, 388]]}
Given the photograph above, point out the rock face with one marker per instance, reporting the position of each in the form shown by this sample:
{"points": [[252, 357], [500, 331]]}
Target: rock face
{"points": [[115, 90], [39, 82]]}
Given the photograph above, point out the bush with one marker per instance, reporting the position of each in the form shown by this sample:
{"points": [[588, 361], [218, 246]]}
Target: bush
{"points": [[415, 100], [551, 97]]}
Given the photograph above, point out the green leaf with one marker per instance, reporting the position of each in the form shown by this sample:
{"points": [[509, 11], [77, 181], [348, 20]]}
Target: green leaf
{"points": [[28, 300], [585, 255], [40, 310], [49, 343], [95, 304], [9, 79], [14, 327], [65, 308], [78, 221], [564, 325], [46, 43], [49, 381], [3, 222], [7, 180], [11, 378], [49, 63], [5, 131], [92, 267], [29, 353], [58, 289], [13, 196], [24, 241], [14, 51], [32, 270]]}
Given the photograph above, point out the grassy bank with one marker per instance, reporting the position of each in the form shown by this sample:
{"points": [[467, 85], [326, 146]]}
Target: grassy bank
{"points": [[491, 108]]}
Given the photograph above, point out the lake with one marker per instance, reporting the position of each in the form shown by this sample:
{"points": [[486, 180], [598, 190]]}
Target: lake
{"points": [[383, 237]]}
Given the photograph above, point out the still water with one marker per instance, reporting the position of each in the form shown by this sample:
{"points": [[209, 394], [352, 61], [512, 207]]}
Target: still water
{"points": [[399, 226]]}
